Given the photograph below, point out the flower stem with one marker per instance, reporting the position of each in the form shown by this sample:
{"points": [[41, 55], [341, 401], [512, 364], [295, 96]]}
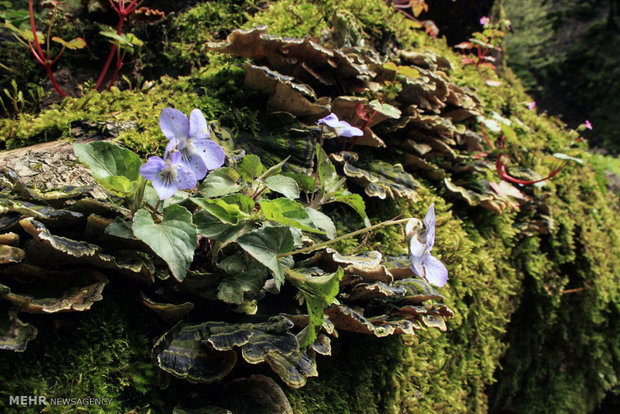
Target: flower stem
{"points": [[322, 245]]}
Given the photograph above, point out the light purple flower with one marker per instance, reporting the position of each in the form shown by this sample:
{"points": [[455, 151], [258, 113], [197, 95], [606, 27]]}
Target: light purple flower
{"points": [[531, 105], [484, 20], [342, 128], [421, 242], [189, 136], [168, 176], [588, 125]]}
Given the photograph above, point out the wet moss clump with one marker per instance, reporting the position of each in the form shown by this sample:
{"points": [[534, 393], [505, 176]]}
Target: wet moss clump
{"points": [[103, 353]]}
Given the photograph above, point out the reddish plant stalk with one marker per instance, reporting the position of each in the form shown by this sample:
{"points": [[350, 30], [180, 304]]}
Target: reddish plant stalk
{"points": [[122, 12], [119, 65], [367, 120], [484, 135], [41, 57], [501, 170]]}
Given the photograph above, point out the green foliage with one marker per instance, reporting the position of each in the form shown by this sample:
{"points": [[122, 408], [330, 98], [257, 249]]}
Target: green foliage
{"points": [[174, 239], [115, 168], [289, 213], [242, 277], [319, 292], [265, 244]]}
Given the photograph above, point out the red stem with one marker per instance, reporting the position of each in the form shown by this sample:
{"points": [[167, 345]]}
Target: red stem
{"points": [[367, 122], [48, 68], [34, 29], [501, 170], [58, 56], [39, 55], [122, 12], [484, 135], [36, 55], [119, 65]]}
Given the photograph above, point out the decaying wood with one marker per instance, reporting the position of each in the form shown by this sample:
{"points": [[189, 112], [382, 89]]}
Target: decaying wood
{"points": [[50, 165]]}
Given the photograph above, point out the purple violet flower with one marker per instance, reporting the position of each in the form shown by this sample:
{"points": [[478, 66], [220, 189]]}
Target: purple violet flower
{"points": [[189, 137], [484, 20], [588, 125], [420, 243], [342, 128], [168, 176], [531, 105]]}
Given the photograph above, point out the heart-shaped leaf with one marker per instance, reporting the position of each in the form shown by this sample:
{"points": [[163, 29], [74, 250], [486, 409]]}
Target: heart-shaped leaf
{"points": [[241, 278], [328, 178], [289, 213], [284, 185], [265, 244], [116, 169], [355, 201], [220, 182], [250, 167], [174, 239], [225, 212], [319, 292], [322, 221], [211, 227]]}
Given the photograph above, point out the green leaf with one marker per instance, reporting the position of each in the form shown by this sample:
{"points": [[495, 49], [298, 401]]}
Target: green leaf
{"points": [[250, 167], [211, 227], [117, 184], [25, 34], [241, 278], [355, 201], [408, 72], [177, 198], [322, 221], [304, 181], [265, 244], [174, 239], [385, 109], [288, 212], [120, 228], [274, 169], [77, 43], [225, 212], [245, 203], [124, 41], [510, 133], [328, 178], [319, 292], [284, 185], [561, 156], [116, 169], [390, 66], [220, 182]]}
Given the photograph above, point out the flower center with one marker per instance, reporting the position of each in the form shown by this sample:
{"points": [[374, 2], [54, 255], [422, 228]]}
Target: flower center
{"points": [[187, 150], [168, 175]]}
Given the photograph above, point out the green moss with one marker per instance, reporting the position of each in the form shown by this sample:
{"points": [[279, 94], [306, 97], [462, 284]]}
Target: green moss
{"points": [[100, 354], [357, 378]]}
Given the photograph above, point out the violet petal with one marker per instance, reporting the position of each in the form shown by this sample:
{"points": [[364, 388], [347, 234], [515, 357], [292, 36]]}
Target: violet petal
{"points": [[174, 124], [436, 272], [212, 154], [198, 128]]}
